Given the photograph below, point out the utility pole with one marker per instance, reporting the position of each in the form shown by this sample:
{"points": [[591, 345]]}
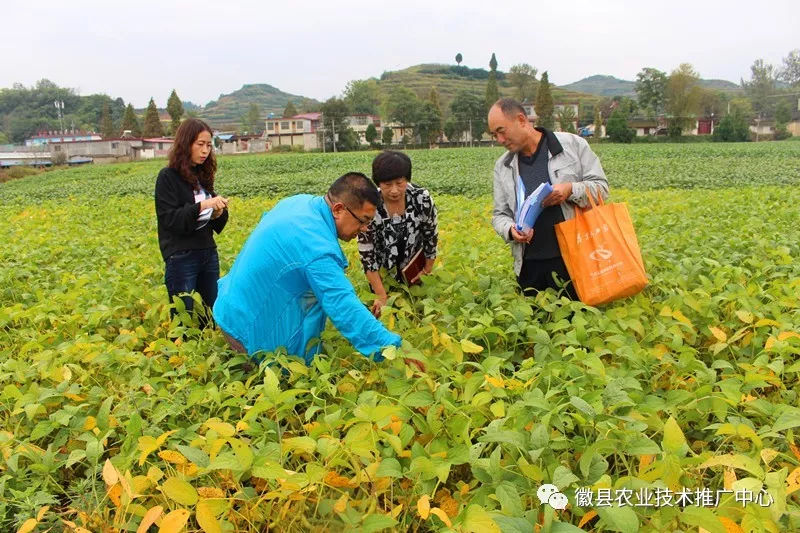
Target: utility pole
{"points": [[333, 125], [470, 133]]}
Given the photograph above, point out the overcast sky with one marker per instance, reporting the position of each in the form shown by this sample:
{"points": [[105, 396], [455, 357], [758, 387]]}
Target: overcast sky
{"points": [[201, 48]]}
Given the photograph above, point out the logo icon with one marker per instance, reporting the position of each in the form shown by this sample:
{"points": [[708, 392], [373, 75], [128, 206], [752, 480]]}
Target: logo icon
{"points": [[548, 493], [600, 254]]}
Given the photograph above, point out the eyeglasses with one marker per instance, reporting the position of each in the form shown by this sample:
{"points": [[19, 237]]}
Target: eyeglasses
{"points": [[360, 221]]}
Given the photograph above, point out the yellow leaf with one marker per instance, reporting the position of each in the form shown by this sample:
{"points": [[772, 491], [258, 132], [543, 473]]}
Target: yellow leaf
{"points": [[147, 445], [644, 462], [787, 335], [677, 315], [90, 423], [206, 519], [424, 507], [42, 512], [745, 316], [768, 454], [222, 428], [793, 481], [27, 526], [729, 478], [341, 504], [241, 425], [172, 456], [730, 525], [188, 470], [174, 521], [396, 424], [720, 335], [442, 516], [397, 510], [795, 450], [770, 343], [210, 492], [588, 516], [495, 382], [767, 322], [470, 347], [154, 474], [434, 336], [110, 474], [179, 490], [115, 494]]}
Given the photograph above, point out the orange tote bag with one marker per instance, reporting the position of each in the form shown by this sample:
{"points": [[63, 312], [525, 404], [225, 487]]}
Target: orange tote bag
{"points": [[602, 255]]}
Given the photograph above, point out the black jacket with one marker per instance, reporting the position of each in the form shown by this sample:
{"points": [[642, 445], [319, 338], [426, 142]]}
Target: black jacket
{"points": [[177, 215]]}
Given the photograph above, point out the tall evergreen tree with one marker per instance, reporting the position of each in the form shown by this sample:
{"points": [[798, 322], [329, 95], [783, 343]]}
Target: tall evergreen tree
{"points": [[255, 123], [544, 104], [175, 110], [130, 122], [106, 124], [290, 110], [598, 123], [433, 97], [492, 93], [152, 124]]}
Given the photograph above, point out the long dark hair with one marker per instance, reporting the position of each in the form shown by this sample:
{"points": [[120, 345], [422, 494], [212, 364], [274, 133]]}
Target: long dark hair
{"points": [[180, 157]]}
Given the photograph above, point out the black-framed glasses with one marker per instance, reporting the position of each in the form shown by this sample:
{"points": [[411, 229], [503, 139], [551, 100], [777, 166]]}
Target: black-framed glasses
{"points": [[360, 221]]}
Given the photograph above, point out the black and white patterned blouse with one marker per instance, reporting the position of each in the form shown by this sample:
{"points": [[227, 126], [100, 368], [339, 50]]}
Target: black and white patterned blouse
{"points": [[381, 245]]}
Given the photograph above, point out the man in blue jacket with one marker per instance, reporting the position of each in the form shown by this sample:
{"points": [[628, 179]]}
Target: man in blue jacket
{"points": [[289, 277]]}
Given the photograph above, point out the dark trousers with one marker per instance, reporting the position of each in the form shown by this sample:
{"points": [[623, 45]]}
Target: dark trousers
{"points": [[537, 275], [193, 270]]}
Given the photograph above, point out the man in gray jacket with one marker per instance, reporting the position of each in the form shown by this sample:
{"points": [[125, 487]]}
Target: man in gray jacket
{"points": [[535, 156]]}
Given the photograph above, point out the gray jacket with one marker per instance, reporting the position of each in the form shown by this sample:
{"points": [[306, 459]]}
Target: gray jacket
{"points": [[569, 159]]}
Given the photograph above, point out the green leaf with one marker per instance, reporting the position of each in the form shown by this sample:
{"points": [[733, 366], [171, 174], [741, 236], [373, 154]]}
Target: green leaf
{"points": [[621, 519], [563, 477], [701, 517], [389, 467], [299, 444], [582, 406], [377, 522], [179, 490], [195, 455], [477, 520], [790, 418], [674, 441], [509, 499]]}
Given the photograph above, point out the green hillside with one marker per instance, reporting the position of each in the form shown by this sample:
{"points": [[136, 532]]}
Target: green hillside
{"points": [[228, 109], [449, 81], [609, 86]]}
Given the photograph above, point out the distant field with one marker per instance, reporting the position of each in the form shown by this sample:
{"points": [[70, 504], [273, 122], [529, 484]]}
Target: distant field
{"points": [[460, 171]]}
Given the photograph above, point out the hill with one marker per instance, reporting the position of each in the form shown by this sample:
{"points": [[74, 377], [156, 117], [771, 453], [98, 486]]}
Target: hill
{"points": [[450, 79], [609, 86], [228, 109]]}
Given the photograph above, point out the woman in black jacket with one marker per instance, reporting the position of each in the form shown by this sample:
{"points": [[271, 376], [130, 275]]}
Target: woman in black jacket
{"points": [[188, 210]]}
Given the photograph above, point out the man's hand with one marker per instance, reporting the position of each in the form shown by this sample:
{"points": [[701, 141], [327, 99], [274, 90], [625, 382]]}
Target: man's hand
{"points": [[377, 305], [561, 191], [525, 237], [415, 363]]}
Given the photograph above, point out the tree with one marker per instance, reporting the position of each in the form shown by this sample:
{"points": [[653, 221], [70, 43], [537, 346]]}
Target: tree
{"points": [[403, 108], [598, 123], [3, 138], [459, 58], [106, 124], [523, 79], [433, 97], [566, 119], [130, 122], [451, 129], [334, 120], [152, 123], [651, 85], [429, 123], [468, 113], [492, 93], [363, 96], [682, 98], [255, 122], [760, 87], [387, 136], [175, 110], [544, 104], [790, 72], [783, 114], [371, 134], [290, 110], [617, 128]]}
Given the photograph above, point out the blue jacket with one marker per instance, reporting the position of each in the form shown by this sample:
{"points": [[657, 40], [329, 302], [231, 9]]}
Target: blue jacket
{"points": [[288, 279]]}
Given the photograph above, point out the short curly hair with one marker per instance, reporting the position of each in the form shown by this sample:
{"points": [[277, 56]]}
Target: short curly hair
{"points": [[389, 165]]}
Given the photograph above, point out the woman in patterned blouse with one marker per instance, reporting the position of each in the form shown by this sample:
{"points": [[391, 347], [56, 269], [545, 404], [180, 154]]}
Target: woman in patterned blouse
{"points": [[405, 223]]}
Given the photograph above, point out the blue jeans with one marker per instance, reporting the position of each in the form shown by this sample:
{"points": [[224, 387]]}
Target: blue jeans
{"points": [[193, 270]]}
